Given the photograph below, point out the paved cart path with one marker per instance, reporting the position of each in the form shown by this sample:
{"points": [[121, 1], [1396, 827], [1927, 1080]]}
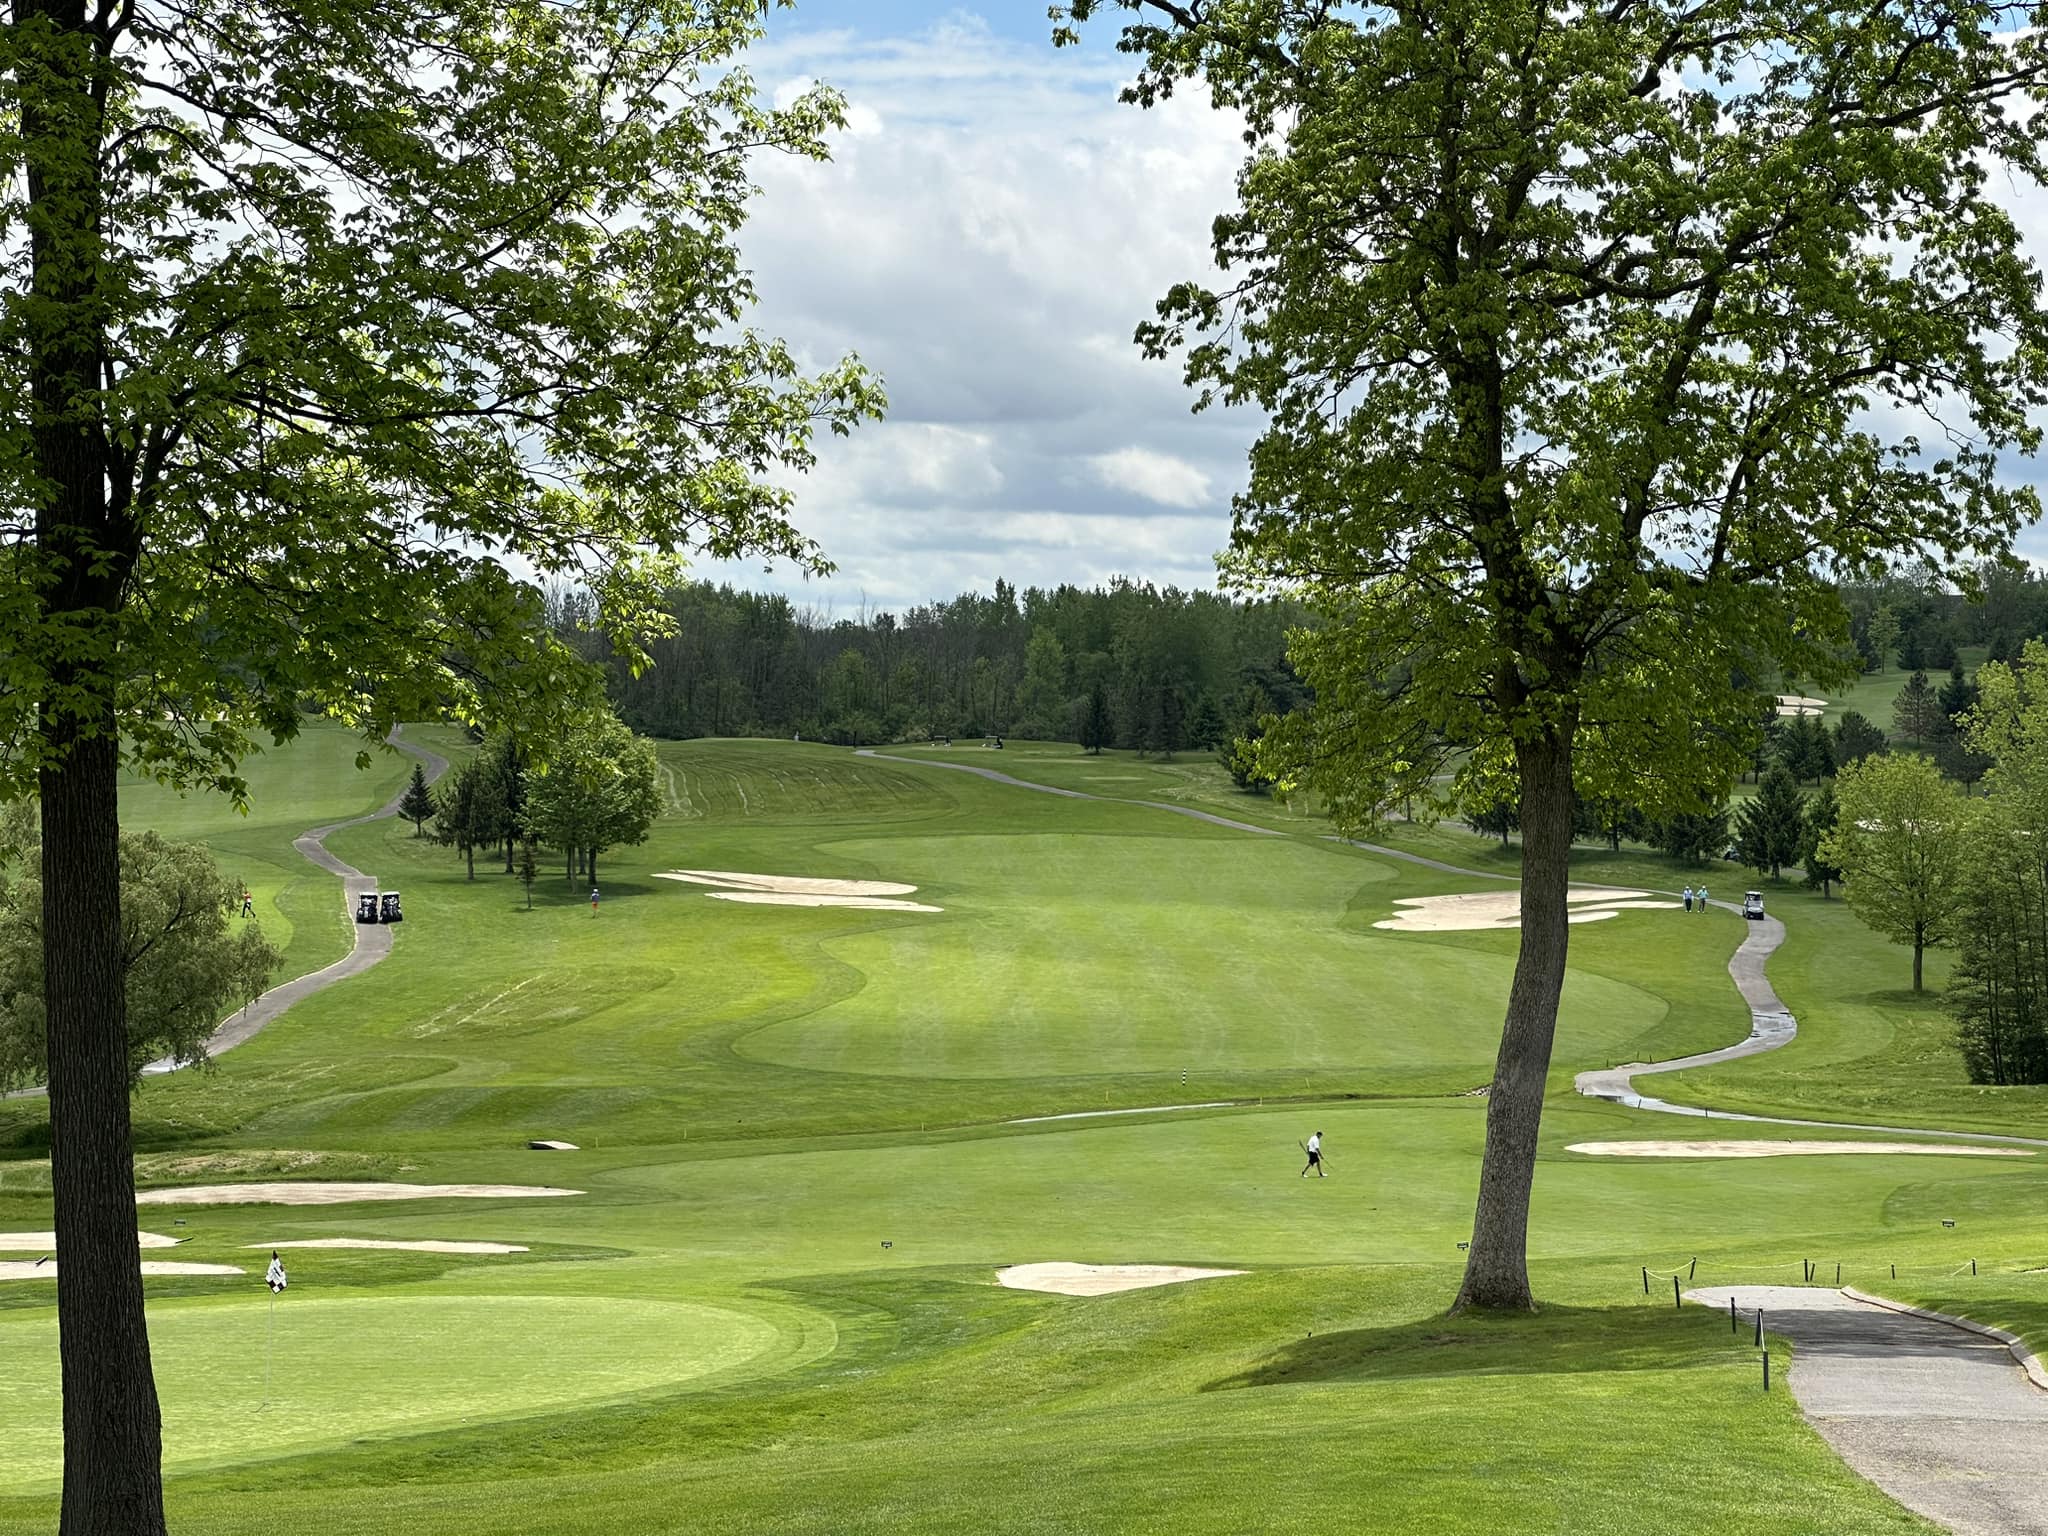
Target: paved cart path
{"points": [[372, 940], [1942, 1419]]}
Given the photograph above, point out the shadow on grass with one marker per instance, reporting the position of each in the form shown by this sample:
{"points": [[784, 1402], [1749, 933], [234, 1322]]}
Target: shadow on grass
{"points": [[1557, 1340]]}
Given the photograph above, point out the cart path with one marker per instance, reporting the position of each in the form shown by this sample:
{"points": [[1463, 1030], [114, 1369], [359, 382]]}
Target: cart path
{"points": [[372, 940], [1942, 1419]]}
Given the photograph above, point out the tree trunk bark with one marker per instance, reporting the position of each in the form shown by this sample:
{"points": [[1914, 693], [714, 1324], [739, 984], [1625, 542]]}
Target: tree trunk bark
{"points": [[1497, 1266], [113, 1438], [1918, 949]]}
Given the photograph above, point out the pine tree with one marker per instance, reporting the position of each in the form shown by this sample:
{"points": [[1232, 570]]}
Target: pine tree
{"points": [[1768, 827], [1916, 711], [1855, 739], [1822, 812], [418, 805], [1095, 720]]}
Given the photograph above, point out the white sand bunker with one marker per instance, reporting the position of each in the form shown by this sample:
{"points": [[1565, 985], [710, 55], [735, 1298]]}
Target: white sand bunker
{"points": [[790, 899], [24, 1270], [1503, 909], [792, 885], [801, 890], [1100, 1279], [1799, 704], [309, 1192], [1786, 1149], [45, 1242], [378, 1242]]}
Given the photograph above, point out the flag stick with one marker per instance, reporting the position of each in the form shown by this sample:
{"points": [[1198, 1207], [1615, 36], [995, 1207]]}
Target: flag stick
{"points": [[269, 1348]]}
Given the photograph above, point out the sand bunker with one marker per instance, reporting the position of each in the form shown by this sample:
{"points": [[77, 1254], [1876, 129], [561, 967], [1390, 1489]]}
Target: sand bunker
{"points": [[22, 1270], [1799, 704], [782, 899], [801, 890], [1786, 1149], [378, 1242], [790, 885], [1100, 1279], [46, 1242], [310, 1192], [1503, 909]]}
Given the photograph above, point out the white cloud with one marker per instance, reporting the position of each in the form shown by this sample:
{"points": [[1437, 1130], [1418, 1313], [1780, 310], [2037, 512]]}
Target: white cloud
{"points": [[1157, 477], [989, 233]]}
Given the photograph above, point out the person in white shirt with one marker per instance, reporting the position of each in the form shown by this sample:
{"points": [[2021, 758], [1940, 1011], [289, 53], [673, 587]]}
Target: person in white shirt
{"points": [[1314, 1147]]}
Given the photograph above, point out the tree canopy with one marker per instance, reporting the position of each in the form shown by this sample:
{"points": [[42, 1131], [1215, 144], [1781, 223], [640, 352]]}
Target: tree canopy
{"points": [[316, 322], [1566, 326], [1898, 843], [186, 959]]}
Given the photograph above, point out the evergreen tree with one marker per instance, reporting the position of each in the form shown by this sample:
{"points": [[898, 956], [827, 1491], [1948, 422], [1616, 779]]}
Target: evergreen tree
{"points": [[1095, 719], [1768, 827], [1957, 694], [1804, 750], [1917, 711], [1855, 739], [418, 805], [1693, 836], [1205, 725], [1822, 812]]}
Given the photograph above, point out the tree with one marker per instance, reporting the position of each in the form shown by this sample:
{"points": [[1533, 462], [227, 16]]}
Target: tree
{"points": [[1899, 849], [529, 870], [1768, 827], [1693, 836], [1095, 720], [1565, 360], [184, 960], [1957, 695], [1804, 749], [418, 805], [471, 811], [1823, 814], [1205, 725], [1855, 739], [1883, 634], [1917, 711], [601, 789], [1998, 988], [1163, 725], [320, 428], [1043, 693]]}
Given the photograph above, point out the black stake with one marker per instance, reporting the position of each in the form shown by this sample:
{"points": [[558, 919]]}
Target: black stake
{"points": [[1767, 1370], [1646, 1279], [1693, 1268], [1973, 1266], [1759, 1327], [1731, 1314], [1838, 1272], [1675, 1301], [1895, 1271]]}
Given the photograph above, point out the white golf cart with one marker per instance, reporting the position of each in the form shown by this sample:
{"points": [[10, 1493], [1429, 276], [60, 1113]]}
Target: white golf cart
{"points": [[1753, 905]]}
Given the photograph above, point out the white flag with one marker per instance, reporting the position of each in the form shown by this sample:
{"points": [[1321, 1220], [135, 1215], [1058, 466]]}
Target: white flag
{"points": [[274, 1276]]}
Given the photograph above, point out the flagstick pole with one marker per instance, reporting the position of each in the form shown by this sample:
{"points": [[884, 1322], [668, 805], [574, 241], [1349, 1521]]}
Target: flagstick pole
{"points": [[269, 1348]]}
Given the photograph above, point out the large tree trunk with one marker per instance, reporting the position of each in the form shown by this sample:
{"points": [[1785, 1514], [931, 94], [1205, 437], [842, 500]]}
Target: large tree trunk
{"points": [[1497, 1267], [113, 1440], [85, 546]]}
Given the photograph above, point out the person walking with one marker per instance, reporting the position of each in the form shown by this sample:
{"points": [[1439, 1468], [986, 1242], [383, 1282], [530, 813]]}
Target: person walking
{"points": [[1700, 896], [1314, 1147], [1688, 898], [593, 901], [248, 907]]}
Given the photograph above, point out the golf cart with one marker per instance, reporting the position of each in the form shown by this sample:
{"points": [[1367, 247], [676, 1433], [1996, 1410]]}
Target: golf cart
{"points": [[373, 908], [1753, 906], [366, 907]]}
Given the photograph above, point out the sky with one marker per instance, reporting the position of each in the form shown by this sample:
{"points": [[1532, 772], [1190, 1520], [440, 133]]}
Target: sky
{"points": [[991, 229]]}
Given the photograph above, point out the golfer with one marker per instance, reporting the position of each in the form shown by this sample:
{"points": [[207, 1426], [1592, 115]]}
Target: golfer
{"points": [[1314, 1147], [593, 901]]}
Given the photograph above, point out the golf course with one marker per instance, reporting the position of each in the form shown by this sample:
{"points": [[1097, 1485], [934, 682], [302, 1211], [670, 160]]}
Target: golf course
{"points": [[762, 1292]]}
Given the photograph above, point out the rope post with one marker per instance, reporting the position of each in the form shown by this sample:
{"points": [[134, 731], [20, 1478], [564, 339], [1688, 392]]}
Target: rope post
{"points": [[1895, 1271], [1759, 1327], [1767, 1370], [1731, 1314], [1838, 1272], [1676, 1300], [1646, 1279], [1973, 1266], [1692, 1270]]}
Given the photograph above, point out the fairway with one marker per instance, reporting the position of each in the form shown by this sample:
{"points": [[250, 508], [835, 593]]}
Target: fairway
{"points": [[775, 1306]]}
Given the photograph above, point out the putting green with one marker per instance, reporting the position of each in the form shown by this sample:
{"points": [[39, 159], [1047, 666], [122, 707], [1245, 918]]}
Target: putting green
{"points": [[366, 1367]]}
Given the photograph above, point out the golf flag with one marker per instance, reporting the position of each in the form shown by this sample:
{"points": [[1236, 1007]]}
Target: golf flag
{"points": [[274, 1276]]}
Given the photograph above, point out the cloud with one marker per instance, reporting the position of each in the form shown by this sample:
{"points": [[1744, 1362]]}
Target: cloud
{"points": [[990, 231], [1157, 477]]}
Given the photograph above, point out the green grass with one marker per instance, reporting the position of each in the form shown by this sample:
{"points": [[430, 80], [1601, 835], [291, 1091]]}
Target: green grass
{"points": [[714, 1336]]}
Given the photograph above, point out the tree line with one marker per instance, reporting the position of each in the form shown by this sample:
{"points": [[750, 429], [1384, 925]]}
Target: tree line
{"points": [[1125, 665]]}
